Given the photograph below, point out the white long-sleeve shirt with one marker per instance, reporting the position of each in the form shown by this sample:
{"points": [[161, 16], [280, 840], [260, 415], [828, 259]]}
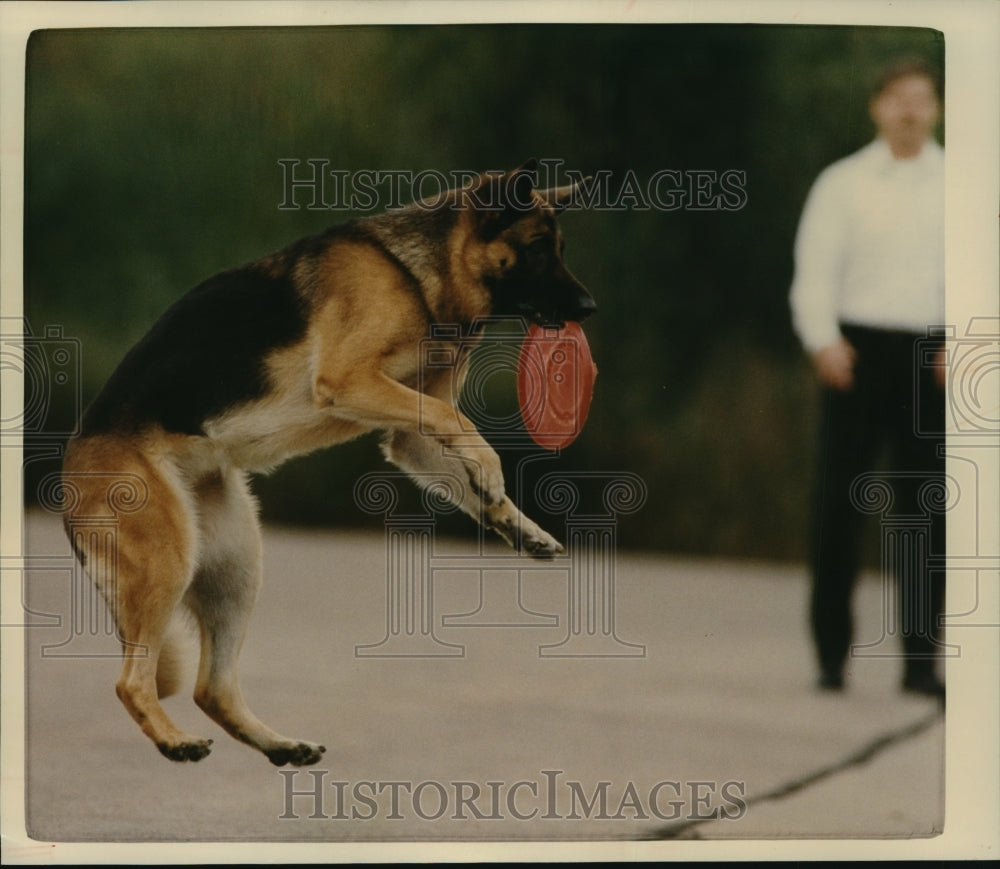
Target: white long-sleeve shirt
{"points": [[870, 246]]}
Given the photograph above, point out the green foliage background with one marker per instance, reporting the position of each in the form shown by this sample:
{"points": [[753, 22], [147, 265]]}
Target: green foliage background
{"points": [[152, 163]]}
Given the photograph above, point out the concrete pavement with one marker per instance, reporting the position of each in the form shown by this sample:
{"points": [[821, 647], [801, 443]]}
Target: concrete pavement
{"points": [[519, 721]]}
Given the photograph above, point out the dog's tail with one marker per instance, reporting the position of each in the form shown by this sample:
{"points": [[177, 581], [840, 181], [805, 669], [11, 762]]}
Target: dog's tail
{"points": [[172, 666]]}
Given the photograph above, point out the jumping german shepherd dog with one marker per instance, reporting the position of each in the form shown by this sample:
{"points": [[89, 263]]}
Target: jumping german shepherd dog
{"points": [[306, 348]]}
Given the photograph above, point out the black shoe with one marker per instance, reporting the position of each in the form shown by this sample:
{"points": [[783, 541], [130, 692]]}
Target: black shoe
{"points": [[926, 684], [831, 682]]}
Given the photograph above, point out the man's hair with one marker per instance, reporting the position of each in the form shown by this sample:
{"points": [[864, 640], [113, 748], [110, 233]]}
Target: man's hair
{"points": [[904, 68]]}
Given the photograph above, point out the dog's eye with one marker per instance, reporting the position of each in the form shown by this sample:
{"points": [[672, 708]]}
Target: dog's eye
{"points": [[536, 256]]}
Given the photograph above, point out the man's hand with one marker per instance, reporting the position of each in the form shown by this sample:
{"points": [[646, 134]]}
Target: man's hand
{"points": [[941, 368], [835, 365]]}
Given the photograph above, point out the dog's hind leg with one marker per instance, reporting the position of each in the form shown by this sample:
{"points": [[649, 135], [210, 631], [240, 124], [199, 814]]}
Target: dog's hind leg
{"points": [[426, 460], [221, 597], [144, 578]]}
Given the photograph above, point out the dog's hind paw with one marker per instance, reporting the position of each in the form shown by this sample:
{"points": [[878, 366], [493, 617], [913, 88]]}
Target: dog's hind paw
{"points": [[185, 751], [296, 754]]}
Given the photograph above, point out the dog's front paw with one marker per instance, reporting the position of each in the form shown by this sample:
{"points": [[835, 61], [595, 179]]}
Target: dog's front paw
{"points": [[296, 754], [541, 544], [524, 535]]}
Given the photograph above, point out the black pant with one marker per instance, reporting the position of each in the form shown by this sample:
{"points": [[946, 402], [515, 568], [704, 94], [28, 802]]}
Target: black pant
{"points": [[894, 401]]}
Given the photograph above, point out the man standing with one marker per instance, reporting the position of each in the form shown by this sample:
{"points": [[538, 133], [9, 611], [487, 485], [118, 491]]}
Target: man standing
{"points": [[869, 281]]}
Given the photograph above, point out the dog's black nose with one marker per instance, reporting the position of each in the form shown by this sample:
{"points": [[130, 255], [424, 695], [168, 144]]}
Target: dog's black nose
{"points": [[585, 307]]}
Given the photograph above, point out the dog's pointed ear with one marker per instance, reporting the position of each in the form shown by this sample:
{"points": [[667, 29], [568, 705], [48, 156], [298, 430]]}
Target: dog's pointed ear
{"points": [[499, 200], [518, 185], [561, 197]]}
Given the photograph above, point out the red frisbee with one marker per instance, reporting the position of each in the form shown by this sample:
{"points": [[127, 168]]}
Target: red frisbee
{"points": [[555, 382]]}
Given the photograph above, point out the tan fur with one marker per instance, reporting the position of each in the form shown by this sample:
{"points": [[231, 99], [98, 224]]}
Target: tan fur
{"points": [[172, 664]]}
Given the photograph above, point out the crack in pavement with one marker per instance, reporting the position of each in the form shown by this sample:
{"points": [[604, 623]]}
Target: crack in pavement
{"points": [[687, 829]]}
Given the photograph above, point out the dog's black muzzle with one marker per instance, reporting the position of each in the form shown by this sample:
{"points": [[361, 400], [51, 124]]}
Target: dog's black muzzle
{"points": [[549, 300], [569, 300], [585, 306]]}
